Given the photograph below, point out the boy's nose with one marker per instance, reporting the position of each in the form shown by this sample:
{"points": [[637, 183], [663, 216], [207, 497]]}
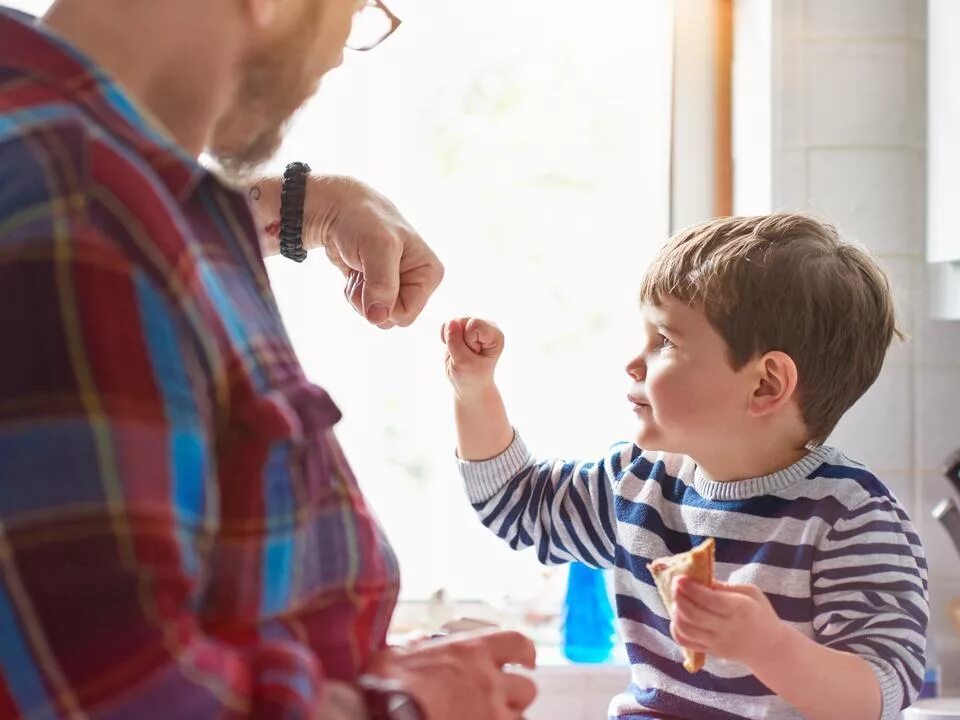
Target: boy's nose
{"points": [[637, 368]]}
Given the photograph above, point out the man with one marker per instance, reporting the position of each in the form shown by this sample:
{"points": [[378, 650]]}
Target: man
{"points": [[180, 535]]}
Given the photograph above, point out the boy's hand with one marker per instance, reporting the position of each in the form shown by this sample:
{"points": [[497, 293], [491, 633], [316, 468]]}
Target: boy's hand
{"points": [[473, 347], [735, 622]]}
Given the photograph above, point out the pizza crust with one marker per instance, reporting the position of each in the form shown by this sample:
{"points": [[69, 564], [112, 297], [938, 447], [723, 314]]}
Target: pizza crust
{"points": [[696, 564]]}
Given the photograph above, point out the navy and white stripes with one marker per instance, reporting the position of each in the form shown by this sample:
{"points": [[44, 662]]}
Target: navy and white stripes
{"points": [[829, 545]]}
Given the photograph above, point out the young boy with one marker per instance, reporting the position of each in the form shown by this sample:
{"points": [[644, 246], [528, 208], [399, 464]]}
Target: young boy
{"points": [[757, 334]]}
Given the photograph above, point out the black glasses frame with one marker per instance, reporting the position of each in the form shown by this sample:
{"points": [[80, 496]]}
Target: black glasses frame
{"points": [[394, 24]]}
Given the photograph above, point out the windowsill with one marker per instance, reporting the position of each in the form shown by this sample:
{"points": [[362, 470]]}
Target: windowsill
{"points": [[414, 620], [550, 656]]}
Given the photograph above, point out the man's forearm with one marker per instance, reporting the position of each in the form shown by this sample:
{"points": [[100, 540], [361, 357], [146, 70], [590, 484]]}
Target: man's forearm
{"points": [[822, 683], [264, 196], [325, 193], [483, 429]]}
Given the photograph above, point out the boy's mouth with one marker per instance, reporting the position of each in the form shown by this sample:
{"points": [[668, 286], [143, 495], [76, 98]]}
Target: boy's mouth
{"points": [[638, 402]]}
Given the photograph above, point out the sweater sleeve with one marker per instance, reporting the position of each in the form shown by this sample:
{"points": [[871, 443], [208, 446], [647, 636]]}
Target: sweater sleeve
{"points": [[563, 508], [870, 597]]}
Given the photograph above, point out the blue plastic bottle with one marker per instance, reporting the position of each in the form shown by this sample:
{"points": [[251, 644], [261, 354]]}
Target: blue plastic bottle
{"points": [[588, 629]]}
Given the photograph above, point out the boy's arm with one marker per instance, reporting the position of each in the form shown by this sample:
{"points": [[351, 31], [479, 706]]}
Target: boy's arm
{"points": [[483, 429], [564, 509], [822, 683], [738, 623], [870, 616], [870, 597]]}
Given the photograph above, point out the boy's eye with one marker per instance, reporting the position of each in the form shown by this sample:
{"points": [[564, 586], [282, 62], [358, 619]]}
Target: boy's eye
{"points": [[665, 342]]}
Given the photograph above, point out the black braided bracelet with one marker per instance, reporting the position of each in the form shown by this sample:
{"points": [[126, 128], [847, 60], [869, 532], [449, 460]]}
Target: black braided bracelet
{"points": [[292, 193]]}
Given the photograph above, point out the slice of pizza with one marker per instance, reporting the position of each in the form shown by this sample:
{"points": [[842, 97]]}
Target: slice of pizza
{"points": [[696, 564]]}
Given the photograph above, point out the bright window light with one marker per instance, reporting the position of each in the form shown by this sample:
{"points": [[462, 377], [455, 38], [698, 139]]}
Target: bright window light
{"points": [[529, 143]]}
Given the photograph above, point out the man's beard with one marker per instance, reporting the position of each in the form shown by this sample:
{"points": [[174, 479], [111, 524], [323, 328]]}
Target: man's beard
{"points": [[241, 157], [273, 86]]}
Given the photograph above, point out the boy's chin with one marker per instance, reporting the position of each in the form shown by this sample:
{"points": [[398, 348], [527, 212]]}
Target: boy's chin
{"points": [[645, 439], [650, 439]]}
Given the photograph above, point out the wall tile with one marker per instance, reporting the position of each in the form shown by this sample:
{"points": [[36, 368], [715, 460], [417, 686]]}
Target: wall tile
{"points": [[872, 195], [877, 430], [938, 416], [943, 638], [905, 277], [943, 290], [918, 20], [939, 342], [790, 89], [858, 18], [941, 338], [857, 94], [917, 17], [948, 651], [790, 16], [917, 93], [790, 180]]}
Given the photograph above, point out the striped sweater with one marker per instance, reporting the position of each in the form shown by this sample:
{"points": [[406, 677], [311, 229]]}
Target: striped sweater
{"points": [[826, 541]]}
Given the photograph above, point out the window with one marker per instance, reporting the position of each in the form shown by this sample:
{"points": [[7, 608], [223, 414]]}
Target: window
{"points": [[34, 7], [529, 144]]}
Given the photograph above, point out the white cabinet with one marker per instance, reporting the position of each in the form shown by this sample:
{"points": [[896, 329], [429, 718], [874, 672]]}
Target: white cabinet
{"points": [[943, 131], [943, 157]]}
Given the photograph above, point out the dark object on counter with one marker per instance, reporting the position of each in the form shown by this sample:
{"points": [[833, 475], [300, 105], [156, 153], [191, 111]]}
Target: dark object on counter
{"points": [[947, 513], [952, 470]]}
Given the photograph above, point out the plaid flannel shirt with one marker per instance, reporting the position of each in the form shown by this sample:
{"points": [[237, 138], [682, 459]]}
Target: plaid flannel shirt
{"points": [[180, 534]]}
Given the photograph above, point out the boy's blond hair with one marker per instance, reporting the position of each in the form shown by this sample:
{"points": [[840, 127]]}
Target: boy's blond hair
{"points": [[786, 282]]}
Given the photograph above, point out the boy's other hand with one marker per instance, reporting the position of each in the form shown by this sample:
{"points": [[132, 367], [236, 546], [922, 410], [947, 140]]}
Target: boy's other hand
{"points": [[473, 348], [734, 622]]}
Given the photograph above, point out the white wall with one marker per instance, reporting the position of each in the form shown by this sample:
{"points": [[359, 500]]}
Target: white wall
{"points": [[848, 113]]}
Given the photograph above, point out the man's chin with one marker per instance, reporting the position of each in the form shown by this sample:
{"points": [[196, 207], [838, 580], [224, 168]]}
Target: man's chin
{"points": [[239, 159], [241, 165]]}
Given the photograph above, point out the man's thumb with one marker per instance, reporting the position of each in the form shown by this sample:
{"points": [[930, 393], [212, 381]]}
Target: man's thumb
{"points": [[381, 283]]}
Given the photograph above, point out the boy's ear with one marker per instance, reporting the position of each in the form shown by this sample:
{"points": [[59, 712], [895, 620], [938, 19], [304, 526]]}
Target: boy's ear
{"points": [[775, 385]]}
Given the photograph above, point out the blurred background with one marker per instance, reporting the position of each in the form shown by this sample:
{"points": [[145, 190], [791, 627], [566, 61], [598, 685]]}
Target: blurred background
{"points": [[545, 149]]}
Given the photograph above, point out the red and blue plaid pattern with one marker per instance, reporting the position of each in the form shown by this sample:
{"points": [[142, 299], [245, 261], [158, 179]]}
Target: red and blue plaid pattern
{"points": [[180, 534]]}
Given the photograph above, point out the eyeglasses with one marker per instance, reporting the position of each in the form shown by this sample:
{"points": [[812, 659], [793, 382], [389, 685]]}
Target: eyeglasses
{"points": [[372, 24]]}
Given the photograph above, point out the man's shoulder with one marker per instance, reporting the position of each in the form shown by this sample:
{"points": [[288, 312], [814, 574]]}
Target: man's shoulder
{"points": [[63, 174], [44, 152], [54, 159]]}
